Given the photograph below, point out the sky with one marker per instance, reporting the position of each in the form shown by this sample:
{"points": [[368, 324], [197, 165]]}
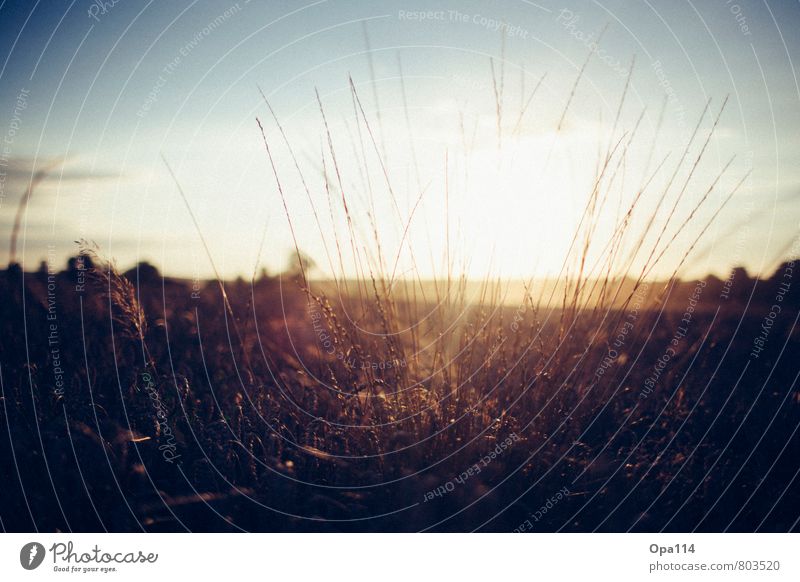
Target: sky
{"points": [[442, 153]]}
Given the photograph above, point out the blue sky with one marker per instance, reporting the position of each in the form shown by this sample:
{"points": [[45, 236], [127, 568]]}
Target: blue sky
{"points": [[109, 90]]}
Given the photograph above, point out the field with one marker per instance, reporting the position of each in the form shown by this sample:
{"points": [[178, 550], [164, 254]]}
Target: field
{"points": [[137, 402]]}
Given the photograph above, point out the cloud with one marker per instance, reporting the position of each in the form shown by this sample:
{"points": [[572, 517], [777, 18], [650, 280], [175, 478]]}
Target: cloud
{"points": [[21, 170]]}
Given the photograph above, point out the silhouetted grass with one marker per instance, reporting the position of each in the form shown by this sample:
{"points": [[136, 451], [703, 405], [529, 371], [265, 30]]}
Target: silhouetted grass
{"points": [[290, 403]]}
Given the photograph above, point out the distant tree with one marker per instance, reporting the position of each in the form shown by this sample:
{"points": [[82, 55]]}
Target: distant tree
{"points": [[299, 263], [739, 284], [714, 286], [780, 284], [144, 272], [781, 272], [14, 270]]}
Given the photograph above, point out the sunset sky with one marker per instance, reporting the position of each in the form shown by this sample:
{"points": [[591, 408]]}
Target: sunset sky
{"points": [[108, 88]]}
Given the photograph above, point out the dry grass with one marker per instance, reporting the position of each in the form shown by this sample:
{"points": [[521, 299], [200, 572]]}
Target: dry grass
{"points": [[338, 405]]}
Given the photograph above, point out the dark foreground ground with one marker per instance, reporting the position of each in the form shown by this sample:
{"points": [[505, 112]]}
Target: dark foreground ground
{"points": [[172, 419]]}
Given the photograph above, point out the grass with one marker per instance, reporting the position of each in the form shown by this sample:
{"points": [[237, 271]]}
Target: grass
{"points": [[367, 402]]}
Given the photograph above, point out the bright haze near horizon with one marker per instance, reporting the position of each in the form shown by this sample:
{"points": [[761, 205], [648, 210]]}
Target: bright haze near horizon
{"points": [[441, 147]]}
